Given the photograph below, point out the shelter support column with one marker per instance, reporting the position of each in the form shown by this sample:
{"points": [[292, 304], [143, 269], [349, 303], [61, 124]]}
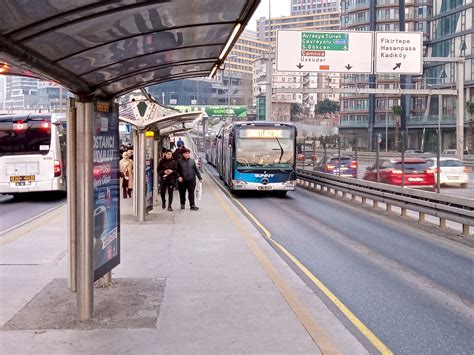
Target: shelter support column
{"points": [[84, 210], [140, 176], [72, 193], [156, 160]]}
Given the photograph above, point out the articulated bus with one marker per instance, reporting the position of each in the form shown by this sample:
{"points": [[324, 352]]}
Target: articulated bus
{"points": [[256, 156], [32, 153]]}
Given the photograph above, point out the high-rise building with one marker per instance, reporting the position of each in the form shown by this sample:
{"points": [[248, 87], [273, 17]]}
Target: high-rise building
{"points": [[231, 86], [324, 18], [329, 19], [21, 93], [364, 116], [300, 7], [452, 35]]}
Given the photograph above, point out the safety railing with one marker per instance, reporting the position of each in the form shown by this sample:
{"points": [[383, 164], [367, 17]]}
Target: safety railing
{"points": [[446, 208]]}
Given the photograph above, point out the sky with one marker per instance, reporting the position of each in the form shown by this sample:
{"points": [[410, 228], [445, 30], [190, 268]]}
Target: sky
{"points": [[279, 8]]}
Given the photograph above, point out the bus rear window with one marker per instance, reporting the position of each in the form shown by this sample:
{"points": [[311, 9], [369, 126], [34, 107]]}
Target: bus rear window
{"points": [[24, 137]]}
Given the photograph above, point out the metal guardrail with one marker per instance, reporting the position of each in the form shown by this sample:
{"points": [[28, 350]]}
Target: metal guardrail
{"points": [[369, 157], [446, 208]]}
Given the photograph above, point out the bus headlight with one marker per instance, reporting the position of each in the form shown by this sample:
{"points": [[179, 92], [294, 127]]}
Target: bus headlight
{"points": [[289, 183]]}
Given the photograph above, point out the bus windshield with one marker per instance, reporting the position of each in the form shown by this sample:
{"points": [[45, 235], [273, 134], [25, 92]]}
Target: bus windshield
{"points": [[23, 137], [267, 152]]}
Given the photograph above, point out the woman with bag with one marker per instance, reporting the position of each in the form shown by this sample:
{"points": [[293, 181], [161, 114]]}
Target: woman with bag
{"points": [[126, 173]]}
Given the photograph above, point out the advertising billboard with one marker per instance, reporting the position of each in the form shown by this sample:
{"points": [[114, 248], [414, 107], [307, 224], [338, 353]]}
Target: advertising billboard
{"points": [[106, 219]]}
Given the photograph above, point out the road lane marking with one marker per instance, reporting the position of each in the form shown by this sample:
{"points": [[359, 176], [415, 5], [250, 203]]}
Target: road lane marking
{"points": [[319, 336], [373, 339], [26, 227]]}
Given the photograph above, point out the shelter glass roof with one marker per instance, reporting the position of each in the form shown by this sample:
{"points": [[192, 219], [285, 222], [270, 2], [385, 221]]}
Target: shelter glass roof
{"points": [[112, 47]]}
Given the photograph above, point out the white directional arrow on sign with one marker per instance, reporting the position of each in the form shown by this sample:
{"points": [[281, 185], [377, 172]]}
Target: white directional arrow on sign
{"points": [[399, 53]]}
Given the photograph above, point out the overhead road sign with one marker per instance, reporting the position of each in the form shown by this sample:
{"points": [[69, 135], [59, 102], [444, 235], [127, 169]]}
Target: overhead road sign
{"points": [[324, 51], [399, 53]]}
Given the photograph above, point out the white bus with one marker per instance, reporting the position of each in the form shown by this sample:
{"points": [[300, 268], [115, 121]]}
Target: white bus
{"points": [[32, 153]]}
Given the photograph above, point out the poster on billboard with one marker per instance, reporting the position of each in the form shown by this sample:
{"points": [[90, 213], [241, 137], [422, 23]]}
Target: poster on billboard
{"points": [[149, 184], [106, 216]]}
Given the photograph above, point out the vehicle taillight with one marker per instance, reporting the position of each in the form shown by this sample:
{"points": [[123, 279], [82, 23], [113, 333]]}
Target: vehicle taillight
{"points": [[396, 171], [330, 167], [19, 126], [45, 125], [353, 164], [57, 168], [466, 170]]}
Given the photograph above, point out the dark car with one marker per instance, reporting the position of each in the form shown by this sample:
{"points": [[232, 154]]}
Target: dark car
{"points": [[348, 166], [417, 173]]}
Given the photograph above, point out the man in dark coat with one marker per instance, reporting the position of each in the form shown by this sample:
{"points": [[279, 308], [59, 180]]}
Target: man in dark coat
{"points": [[167, 175], [178, 152], [187, 173]]}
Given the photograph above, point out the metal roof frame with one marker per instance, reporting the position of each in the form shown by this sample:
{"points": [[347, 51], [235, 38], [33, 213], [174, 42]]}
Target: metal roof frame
{"points": [[99, 36]]}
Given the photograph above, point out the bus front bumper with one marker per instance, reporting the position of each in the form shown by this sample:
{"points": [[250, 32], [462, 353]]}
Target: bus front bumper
{"points": [[57, 184], [240, 185]]}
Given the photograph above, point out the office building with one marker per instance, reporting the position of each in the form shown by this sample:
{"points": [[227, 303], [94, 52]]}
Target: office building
{"points": [[365, 116], [20, 93], [301, 7], [231, 86]]}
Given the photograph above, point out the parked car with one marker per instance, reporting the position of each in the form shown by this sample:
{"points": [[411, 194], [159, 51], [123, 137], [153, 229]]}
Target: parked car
{"points": [[417, 173], [453, 152], [348, 165], [452, 171]]}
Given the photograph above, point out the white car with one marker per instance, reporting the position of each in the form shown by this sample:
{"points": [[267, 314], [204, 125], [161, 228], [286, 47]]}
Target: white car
{"points": [[453, 171]]}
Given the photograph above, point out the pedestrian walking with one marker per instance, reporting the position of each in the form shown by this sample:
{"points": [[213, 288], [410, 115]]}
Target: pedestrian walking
{"points": [[187, 173], [178, 152], [126, 174], [167, 174]]}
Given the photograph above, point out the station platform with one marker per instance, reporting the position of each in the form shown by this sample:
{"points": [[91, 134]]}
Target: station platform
{"points": [[200, 282]]}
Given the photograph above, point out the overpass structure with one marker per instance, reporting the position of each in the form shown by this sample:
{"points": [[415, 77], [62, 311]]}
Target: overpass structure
{"points": [[100, 50]]}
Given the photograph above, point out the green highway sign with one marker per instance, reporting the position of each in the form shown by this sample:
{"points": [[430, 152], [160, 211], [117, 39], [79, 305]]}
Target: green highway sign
{"points": [[324, 41], [216, 111]]}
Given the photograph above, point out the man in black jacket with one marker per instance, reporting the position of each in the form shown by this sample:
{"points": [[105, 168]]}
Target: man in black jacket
{"points": [[187, 172], [167, 174]]}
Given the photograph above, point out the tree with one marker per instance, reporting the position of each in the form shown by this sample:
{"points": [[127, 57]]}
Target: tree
{"points": [[397, 111], [327, 106], [295, 111]]}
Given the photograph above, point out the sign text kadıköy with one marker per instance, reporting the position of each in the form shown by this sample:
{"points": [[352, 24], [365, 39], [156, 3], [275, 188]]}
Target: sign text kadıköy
{"points": [[399, 53]]}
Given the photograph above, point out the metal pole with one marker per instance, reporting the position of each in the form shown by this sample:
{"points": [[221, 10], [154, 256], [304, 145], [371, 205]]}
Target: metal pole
{"points": [[71, 178], [386, 127], [85, 206], [134, 196], [339, 155], [377, 155], [438, 150], [304, 152], [156, 160], [313, 157], [461, 103], [140, 177], [403, 158], [325, 154], [268, 93]]}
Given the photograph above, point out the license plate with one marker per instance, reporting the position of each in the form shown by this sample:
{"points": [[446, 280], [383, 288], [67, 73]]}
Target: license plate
{"points": [[453, 177], [415, 179], [265, 188], [22, 178]]}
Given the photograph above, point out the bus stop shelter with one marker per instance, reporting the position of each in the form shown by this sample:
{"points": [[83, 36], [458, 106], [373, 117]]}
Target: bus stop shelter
{"points": [[146, 115], [100, 50]]}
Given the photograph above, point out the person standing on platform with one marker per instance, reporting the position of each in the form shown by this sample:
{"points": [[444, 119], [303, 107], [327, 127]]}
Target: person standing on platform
{"points": [[126, 173], [167, 175], [178, 152], [187, 173]]}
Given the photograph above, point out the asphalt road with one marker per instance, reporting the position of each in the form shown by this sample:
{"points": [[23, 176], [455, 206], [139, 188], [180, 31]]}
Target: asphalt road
{"points": [[16, 211], [415, 291]]}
